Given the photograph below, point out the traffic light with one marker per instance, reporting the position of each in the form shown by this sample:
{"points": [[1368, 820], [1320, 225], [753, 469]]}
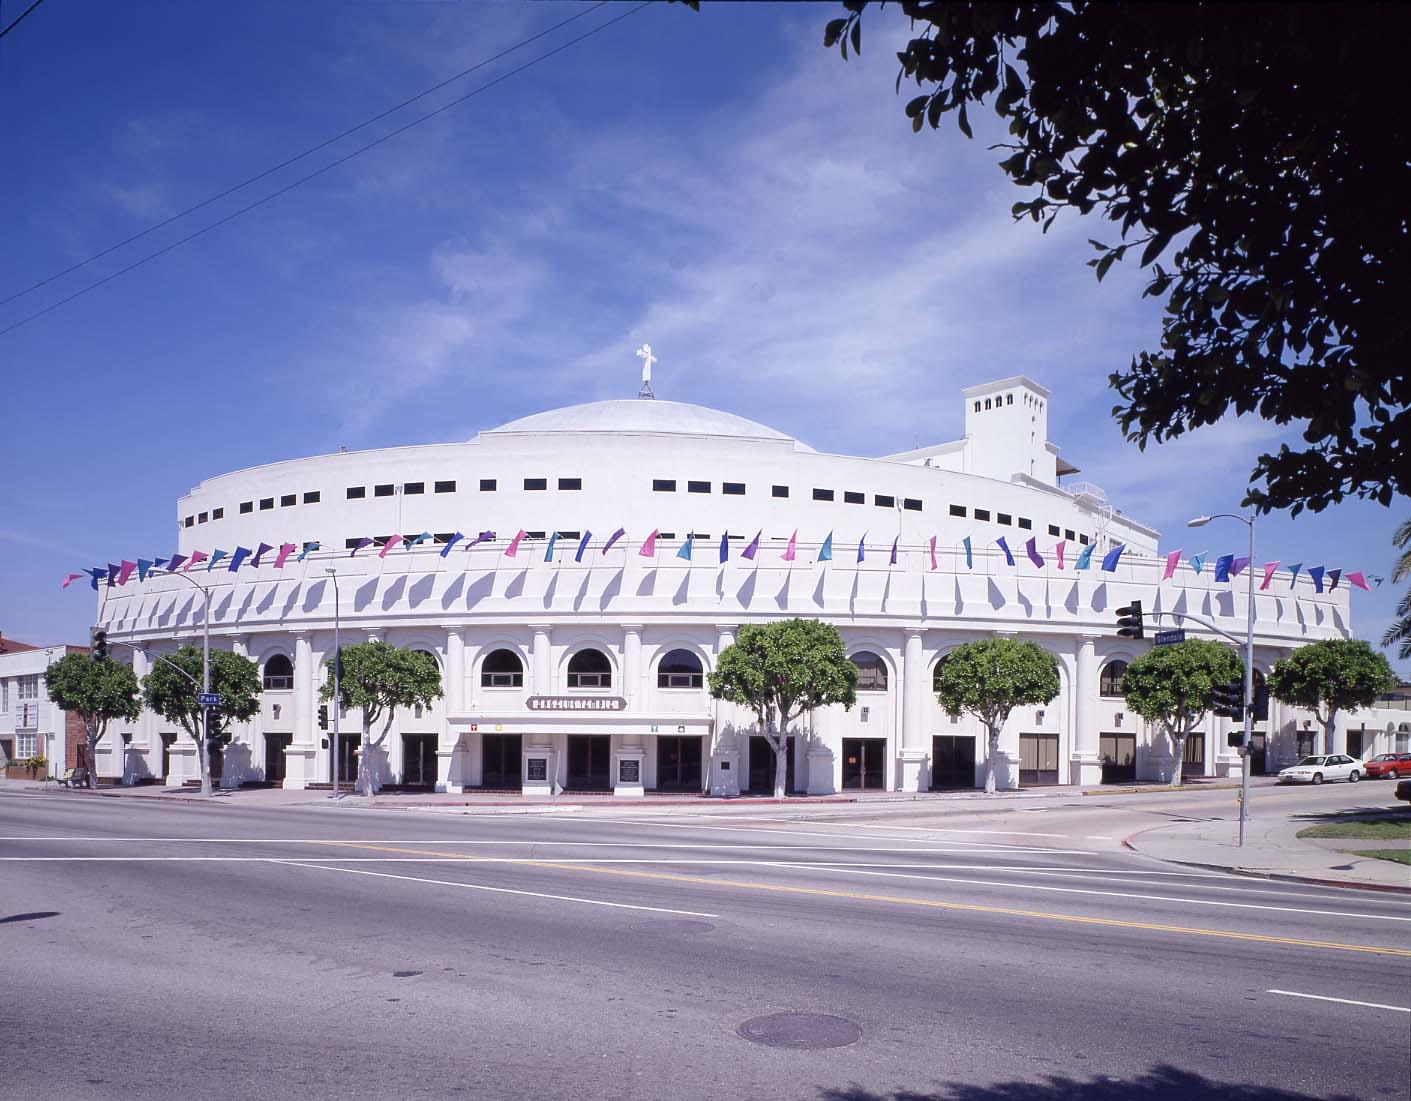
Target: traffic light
{"points": [[98, 644], [1228, 699], [1129, 621], [1261, 703], [323, 717]]}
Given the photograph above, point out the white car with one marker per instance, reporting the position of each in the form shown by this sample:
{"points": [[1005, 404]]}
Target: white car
{"points": [[1314, 770]]}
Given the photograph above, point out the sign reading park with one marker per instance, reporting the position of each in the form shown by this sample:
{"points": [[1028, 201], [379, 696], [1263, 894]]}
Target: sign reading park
{"points": [[576, 703]]}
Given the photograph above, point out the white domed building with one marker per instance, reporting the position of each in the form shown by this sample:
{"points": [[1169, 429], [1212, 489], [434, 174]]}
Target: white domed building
{"points": [[573, 662]]}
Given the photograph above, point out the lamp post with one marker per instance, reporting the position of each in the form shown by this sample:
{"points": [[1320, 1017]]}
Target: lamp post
{"points": [[1247, 711], [337, 669]]}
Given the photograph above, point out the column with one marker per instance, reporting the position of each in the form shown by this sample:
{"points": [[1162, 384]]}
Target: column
{"points": [[139, 757], [541, 658], [913, 758], [302, 753], [724, 762], [239, 757], [632, 662], [1084, 762], [450, 766], [539, 750]]}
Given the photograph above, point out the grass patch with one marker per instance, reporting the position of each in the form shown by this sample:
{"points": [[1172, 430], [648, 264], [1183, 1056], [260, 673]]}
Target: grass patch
{"points": [[1375, 829], [1401, 856]]}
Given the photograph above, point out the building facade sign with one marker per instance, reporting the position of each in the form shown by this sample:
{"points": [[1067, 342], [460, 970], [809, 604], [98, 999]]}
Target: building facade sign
{"points": [[576, 703]]}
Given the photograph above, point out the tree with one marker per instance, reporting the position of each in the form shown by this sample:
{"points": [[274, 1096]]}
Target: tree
{"points": [[170, 688], [1400, 630], [785, 668], [98, 692], [1258, 147], [1337, 674], [989, 679], [378, 678], [1174, 686]]}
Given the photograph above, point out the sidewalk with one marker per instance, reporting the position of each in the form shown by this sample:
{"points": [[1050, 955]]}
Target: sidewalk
{"points": [[1272, 849]]}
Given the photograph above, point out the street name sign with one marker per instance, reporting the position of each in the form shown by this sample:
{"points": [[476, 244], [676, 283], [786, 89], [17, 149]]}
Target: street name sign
{"points": [[208, 699], [1170, 638]]}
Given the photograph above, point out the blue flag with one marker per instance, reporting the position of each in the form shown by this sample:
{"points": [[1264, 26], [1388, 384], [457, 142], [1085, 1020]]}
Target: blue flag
{"points": [[1198, 560], [969, 554], [241, 553], [1222, 567], [1008, 557], [549, 550], [455, 538], [1085, 560], [1109, 560], [1316, 573], [582, 546], [685, 551], [143, 565], [94, 574], [724, 547], [862, 547], [825, 552], [309, 548], [1293, 574]]}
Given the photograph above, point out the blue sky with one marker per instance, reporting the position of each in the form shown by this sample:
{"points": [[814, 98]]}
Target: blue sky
{"points": [[717, 184]]}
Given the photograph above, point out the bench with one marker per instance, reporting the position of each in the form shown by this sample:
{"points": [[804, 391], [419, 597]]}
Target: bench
{"points": [[73, 778]]}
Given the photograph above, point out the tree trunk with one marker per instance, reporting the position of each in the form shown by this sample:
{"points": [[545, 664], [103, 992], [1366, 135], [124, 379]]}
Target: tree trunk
{"points": [[90, 781], [990, 784], [203, 753], [1178, 757], [365, 760], [781, 763], [1330, 731]]}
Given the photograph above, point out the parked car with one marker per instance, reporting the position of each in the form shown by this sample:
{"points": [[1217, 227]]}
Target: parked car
{"points": [[1388, 765], [1403, 790], [1316, 769]]}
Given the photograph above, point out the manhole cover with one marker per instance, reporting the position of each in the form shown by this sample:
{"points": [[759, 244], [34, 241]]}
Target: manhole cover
{"points": [[800, 1030], [671, 925]]}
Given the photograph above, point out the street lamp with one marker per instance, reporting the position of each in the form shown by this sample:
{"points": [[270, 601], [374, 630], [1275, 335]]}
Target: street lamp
{"points": [[337, 669], [1247, 711]]}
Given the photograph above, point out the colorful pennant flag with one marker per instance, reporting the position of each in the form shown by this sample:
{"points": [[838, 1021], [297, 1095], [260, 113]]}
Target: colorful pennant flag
{"points": [[197, 557], [618, 534], [175, 563], [1333, 577], [793, 544], [365, 541], [862, 547], [549, 550], [685, 550], [260, 552], [309, 548], [969, 554], [893, 560], [1034, 556], [1008, 557], [934, 564], [417, 540], [724, 547], [1109, 560], [825, 552], [1239, 565], [392, 541], [143, 565], [71, 578], [483, 537], [648, 549], [582, 546], [1316, 573], [513, 548], [1293, 574], [1172, 561], [1198, 560], [1222, 567], [113, 574], [1062, 543], [241, 553], [126, 571], [753, 548], [216, 556], [95, 574], [1270, 568], [285, 550], [159, 563], [1357, 578], [455, 538], [1086, 558]]}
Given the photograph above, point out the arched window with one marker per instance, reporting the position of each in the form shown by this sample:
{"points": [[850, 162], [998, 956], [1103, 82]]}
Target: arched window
{"points": [[936, 673], [279, 673], [1109, 684], [871, 672], [589, 669], [502, 669], [680, 669]]}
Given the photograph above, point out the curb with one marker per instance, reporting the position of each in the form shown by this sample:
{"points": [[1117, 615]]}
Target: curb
{"points": [[1161, 789]]}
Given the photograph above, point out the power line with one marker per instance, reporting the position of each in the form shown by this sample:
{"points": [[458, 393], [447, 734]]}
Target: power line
{"points": [[291, 160], [19, 18], [320, 171]]}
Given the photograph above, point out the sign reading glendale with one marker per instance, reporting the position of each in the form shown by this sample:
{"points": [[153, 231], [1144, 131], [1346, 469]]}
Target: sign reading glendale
{"points": [[576, 703]]}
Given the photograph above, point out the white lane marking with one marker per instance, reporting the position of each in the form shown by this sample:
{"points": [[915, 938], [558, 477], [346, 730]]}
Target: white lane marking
{"points": [[1340, 1001], [469, 858], [938, 829], [497, 890], [1122, 894]]}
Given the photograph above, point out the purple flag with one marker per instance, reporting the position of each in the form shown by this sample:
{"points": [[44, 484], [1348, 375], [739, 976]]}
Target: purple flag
{"points": [[1239, 565], [113, 574], [582, 546], [260, 552], [365, 541], [176, 561], [1034, 556], [753, 548], [618, 534], [1333, 577]]}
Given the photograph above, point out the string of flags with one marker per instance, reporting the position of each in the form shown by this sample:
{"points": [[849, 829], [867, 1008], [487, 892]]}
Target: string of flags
{"points": [[1227, 566]]}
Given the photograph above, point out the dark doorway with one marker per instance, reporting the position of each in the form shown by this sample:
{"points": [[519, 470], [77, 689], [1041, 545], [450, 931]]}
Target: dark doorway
{"points": [[952, 762], [419, 760], [762, 766], [1354, 743], [590, 762], [500, 762], [678, 763], [1118, 753], [168, 740], [1193, 756], [1258, 754], [347, 758], [864, 763], [275, 744], [1038, 759]]}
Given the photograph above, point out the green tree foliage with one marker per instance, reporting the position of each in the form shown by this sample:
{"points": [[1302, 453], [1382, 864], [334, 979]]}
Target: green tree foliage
{"points": [[785, 669], [1255, 156], [1173, 687], [97, 692], [377, 678], [1400, 630], [170, 688], [1338, 674], [989, 679]]}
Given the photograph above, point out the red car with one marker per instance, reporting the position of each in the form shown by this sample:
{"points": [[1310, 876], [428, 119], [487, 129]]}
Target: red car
{"points": [[1388, 766]]}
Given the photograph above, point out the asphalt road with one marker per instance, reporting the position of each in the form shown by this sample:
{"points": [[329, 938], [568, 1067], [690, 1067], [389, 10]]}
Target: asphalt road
{"points": [[176, 950]]}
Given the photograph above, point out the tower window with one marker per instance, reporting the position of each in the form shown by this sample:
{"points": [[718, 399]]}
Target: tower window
{"points": [[357, 493], [697, 487], [570, 483], [732, 489], [411, 488], [779, 491], [957, 510], [536, 483], [287, 499], [445, 487], [1004, 518], [982, 514], [911, 504], [664, 485], [246, 506], [822, 494], [382, 490], [312, 497], [487, 485], [852, 497]]}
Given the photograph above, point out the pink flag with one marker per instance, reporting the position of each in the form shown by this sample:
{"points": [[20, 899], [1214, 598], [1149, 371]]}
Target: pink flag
{"points": [[513, 548], [1354, 578], [126, 571], [793, 542], [285, 550], [75, 576], [933, 552], [1172, 561], [1269, 569], [648, 548], [197, 557], [1059, 550], [392, 541]]}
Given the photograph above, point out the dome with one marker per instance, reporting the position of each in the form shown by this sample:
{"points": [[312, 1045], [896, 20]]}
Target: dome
{"points": [[637, 416]]}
